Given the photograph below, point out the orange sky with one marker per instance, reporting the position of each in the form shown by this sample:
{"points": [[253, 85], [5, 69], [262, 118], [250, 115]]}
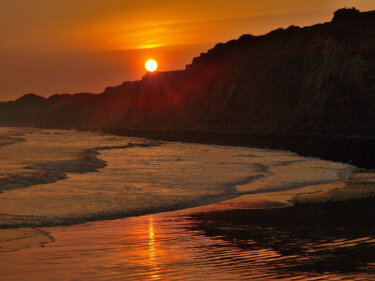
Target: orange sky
{"points": [[56, 46]]}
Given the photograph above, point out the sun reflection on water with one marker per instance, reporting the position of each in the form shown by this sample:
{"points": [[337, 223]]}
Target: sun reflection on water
{"points": [[154, 266]]}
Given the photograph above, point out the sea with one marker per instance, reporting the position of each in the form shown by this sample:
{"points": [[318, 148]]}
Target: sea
{"points": [[56, 177], [79, 205]]}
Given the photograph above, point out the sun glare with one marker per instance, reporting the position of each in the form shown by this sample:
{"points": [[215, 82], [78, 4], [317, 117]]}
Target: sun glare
{"points": [[151, 65]]}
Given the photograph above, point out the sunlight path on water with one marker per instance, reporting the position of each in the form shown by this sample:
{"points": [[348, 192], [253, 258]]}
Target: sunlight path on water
{"points": [[155, 247], [55, 177]]}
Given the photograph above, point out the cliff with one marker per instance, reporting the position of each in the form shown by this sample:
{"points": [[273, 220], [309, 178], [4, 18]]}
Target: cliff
{"points": [[312, 80]]}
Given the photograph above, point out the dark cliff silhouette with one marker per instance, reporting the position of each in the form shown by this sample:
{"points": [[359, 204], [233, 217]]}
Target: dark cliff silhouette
{"points": [[313, 80]]}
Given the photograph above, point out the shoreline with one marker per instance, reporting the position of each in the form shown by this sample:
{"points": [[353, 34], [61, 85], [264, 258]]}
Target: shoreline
{"points": [[321, 230], [330, 235], [197, 203], [356, 188], [354, 150]]}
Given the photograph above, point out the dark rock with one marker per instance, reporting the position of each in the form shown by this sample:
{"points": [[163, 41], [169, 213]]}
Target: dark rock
{"points": [[311, 80]]}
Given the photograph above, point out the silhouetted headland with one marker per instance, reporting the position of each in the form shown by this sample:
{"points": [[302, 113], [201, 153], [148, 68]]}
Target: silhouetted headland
{"points": [[310, 90]]}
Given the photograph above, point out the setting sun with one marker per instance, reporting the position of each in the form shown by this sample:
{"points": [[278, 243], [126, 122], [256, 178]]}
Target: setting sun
{"points": [[151, 65]]}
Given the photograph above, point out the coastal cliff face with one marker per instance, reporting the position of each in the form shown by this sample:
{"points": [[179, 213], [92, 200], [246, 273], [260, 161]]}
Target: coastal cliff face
{"points": [[312, 80]]}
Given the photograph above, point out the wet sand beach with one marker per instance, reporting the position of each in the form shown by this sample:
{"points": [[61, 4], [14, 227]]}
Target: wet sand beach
{"points": [[248, 156], [327, 235]]}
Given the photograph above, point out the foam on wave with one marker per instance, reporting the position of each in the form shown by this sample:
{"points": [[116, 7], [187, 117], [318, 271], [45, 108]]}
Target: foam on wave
{"points": [[9, 139], [296, 174], [52, 171], [142, 180], [24, 180]]}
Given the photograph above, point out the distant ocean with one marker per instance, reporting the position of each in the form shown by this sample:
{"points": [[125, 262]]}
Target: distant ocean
{"points": [[62, 177]]}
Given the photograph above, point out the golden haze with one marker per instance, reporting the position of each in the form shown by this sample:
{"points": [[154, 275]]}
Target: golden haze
{"points": [[86, 45]]}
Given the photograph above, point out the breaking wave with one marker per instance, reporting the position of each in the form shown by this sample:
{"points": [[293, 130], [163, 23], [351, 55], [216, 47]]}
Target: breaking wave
{"points": [[52, 171], [110, 177], [9, 139]]}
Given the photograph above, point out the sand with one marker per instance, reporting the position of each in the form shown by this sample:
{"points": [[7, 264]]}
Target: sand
{"points": [[327, 235]]}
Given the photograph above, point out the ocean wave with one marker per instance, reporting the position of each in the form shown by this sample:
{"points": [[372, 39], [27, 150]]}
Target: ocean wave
{"points": [[21, 221], [87, 161], [149, 143], [142, 180], [52, 171], [289, 175], [24, 180], [9, 139]]}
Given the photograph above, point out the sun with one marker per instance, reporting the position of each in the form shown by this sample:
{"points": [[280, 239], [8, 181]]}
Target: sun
{"points": [[151, 65]]}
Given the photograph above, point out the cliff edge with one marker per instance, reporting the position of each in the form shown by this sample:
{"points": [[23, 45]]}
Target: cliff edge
{"points": [[313, 80]]}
